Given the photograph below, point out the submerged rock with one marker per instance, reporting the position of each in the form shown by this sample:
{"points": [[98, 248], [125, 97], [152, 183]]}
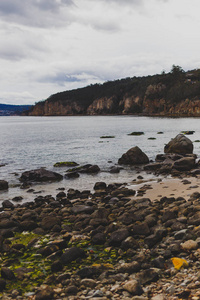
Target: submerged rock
{"points": [[87, 169], [3, 185], [66, 164]]}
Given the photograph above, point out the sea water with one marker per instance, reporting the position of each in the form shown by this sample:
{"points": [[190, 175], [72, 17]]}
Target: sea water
{"points": [[28, 143]]}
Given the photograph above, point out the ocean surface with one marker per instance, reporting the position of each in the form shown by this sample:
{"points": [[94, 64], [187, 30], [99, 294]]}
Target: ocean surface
{"points": [[28, 143]]}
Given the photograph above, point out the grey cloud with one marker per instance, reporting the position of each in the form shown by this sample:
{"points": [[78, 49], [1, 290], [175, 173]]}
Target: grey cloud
{"points": [[125, 2], [18, 44], [9, 7], [41, 13], [59, 78], [105, 26]]}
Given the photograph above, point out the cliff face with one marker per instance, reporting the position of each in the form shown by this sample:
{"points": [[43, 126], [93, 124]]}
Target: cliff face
{"points": [[57, 108], [102, 106], [128, 105], [173, 94]]}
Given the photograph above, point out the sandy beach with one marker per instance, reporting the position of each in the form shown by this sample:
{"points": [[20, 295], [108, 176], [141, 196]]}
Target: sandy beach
{"points": [[155, 189]]}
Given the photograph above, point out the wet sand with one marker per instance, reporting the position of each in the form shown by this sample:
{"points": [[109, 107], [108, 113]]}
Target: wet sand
{"points": [[166, 187]]}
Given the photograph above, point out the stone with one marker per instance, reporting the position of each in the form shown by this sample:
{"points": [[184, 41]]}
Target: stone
{"points": [[114, 170], [89, 169], [56, 266], [100, 186], [152, 166], [78, 209], [159, 297], [71, 290], [2, 284], [28, 225], [133, 287], [45, 294], [134, 156], [66, 164], [87, 282], [180, 144], [129, 268], [129, 242], [48, 222], [7, 204], [88, 272], [190, 245], [117, 237], [72, 175], [17, 199], [72, 254], [6, 273], [99, 238], [3, 185], [148, 276], [141, 229], [159, 262], [40, 175], [184, 164]]}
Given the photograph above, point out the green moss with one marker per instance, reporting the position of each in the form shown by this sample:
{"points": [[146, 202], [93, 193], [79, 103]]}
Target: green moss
{"points": [[97, 255], [66, 164], [24, 237]]}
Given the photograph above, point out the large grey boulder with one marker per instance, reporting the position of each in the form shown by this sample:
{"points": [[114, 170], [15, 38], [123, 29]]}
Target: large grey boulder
{"points": [[40, 175], [134, 156], [180, 144]]}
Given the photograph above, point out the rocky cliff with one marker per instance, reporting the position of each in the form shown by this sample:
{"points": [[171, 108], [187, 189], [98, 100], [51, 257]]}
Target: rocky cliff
{"points": [[174, 94]]}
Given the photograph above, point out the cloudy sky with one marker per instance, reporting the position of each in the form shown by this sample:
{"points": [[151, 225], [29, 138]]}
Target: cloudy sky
{"points": [[48, 46]]}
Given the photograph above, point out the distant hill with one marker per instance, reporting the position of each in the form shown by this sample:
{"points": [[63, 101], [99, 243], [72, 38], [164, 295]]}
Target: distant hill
{"points": [[176, 93], [10, 110]]}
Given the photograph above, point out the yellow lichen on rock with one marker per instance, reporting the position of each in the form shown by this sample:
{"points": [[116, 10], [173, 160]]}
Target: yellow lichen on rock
{"points": [[179, 263]]}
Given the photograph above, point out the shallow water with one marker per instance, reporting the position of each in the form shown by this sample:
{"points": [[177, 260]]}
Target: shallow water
{"points": [[32, 142]]}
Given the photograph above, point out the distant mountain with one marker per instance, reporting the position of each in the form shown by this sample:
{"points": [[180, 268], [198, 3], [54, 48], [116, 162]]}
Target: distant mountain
{"points": [[12, 110], [176, 93]]}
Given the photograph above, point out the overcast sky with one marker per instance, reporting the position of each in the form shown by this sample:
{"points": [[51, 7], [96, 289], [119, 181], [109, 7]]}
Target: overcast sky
{"points": [[48, 46]]}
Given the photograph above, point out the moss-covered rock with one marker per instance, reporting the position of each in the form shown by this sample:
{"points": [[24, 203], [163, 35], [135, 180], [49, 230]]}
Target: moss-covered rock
{"points": [[65, 164]]}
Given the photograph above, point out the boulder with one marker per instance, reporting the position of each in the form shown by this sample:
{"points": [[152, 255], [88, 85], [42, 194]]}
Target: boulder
{"points": [[134, 156], [184, 164], [180, 144], [40, 175], [3, 185]]}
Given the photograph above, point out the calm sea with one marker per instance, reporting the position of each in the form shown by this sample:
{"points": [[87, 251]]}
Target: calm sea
{"points": [[31, 142]]}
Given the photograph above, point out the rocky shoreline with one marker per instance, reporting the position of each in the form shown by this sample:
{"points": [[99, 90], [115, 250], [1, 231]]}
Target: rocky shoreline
{"points": [[111, 243]]}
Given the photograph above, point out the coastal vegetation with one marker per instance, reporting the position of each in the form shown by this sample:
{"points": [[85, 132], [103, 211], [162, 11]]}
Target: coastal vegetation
{"points": [[173, 93]]}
